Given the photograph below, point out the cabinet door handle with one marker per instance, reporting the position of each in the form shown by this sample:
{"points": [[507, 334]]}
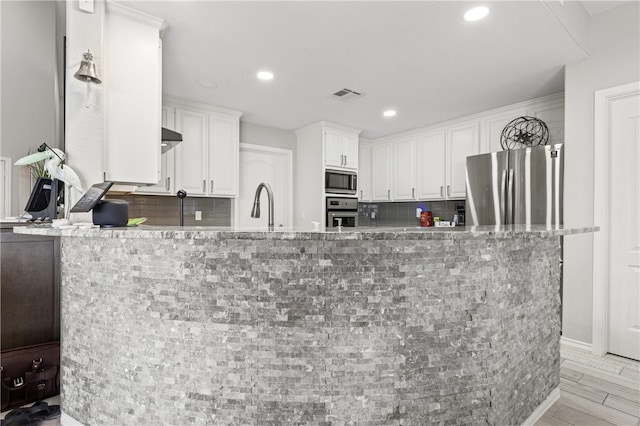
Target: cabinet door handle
{"points": [[388, 194], [204, 185], [211, 187], [413, 193], [361, 194], [345, 160], [168, 183], [448, 191], [441, 191]]}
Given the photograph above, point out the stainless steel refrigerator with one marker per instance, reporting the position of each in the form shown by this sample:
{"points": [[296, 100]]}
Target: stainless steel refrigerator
{"points": [[520, 186]]}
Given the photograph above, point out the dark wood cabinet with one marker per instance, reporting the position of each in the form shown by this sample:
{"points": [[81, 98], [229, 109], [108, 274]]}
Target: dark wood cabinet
{"points": [[30, 289]]}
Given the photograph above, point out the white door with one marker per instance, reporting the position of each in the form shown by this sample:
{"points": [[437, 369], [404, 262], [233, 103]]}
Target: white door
{"points": [[624, 211], [270, 165]]}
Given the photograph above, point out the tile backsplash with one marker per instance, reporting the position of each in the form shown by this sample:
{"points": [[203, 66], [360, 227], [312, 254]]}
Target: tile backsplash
{"points": [[161, 210], [404, 213]]}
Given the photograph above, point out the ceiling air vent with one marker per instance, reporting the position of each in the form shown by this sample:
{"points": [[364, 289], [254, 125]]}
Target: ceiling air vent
{"points": [[346, 95]]}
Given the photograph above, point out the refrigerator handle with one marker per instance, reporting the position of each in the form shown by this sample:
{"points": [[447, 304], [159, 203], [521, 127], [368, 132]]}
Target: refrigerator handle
{"points": [[510, 198], [503, 194]]}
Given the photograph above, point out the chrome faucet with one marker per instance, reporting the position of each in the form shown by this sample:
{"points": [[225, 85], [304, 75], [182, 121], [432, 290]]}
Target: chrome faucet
{"points": [[255, 211]]}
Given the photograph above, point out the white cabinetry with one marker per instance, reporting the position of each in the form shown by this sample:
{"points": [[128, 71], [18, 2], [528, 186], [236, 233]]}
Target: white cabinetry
{"points": [[382, 172], [431, 173], [493, 126], [132, 78], [426, 166], [340, 148], [404, 168], [364, 171], [167, 161], [207, 159], [321, 146], [462, 141]]}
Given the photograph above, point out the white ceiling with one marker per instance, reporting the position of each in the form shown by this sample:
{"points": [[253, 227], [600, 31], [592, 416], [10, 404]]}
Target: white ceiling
{"points": [[420, 58]]}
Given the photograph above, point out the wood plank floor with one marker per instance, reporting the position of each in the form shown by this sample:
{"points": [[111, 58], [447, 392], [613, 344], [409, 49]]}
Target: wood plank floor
{"points": [[595, 391]]}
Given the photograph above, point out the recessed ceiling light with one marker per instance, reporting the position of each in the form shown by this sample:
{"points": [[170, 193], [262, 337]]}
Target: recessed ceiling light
{"points": [[265, 75], [476, 13], [389, 113]]}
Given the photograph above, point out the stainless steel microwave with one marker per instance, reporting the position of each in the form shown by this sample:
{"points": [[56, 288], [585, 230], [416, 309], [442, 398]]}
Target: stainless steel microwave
{"points": [[340, 182]]}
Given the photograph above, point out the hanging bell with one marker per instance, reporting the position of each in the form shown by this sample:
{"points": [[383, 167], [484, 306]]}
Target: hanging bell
{"points": [[87, 71]]}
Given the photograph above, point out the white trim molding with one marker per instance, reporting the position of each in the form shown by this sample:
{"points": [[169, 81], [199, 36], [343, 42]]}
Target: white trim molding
{"points": [[601, 198], [6, 186], [543, 407], [564, 341]]}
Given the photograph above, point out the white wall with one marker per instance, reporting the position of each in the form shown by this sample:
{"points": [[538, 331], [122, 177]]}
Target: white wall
{"points": [[28, 86], [614, 60]]}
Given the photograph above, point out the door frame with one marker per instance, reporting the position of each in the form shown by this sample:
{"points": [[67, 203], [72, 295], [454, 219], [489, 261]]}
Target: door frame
{"points": [[6, 190], [288, 154], [601, 216]]}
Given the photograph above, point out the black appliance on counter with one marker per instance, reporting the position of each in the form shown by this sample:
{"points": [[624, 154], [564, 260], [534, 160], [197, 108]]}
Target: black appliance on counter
{"points": [[43, 201], [342, 212]]}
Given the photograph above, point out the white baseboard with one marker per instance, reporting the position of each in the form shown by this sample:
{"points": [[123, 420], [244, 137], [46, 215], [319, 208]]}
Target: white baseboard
{"points": [[67, 420], [576, 344], [543, 407]]}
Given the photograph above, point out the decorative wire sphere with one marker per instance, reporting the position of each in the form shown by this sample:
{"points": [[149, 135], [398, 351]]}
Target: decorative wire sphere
{"points": [[524, 132]]}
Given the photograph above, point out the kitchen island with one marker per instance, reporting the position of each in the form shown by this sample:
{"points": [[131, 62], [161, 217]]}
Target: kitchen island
{"points": [[403, 326]]}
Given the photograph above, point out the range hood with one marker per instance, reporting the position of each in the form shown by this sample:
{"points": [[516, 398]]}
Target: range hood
{"points": [[169, 139]]}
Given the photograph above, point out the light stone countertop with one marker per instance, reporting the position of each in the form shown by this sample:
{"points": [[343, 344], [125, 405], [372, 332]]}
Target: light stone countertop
{"points": [[362, 233]]}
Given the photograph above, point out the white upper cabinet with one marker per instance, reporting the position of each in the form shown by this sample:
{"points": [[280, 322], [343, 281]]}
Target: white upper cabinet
{"points": [[224, 155], [192, 161], [494, 125], [431, 165], [427, 166], [404, 168], [364, 171], [167, 161], [132, 78], [462, 141], [382, 171], [340, 148], [207, 159]]}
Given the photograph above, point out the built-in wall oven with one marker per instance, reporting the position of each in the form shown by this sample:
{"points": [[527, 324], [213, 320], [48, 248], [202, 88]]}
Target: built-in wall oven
{"points": [[342, 211], [340, 182]]}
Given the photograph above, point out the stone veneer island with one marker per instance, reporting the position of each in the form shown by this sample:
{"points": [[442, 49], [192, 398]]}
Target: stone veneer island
{"points": [[387, 327]]}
